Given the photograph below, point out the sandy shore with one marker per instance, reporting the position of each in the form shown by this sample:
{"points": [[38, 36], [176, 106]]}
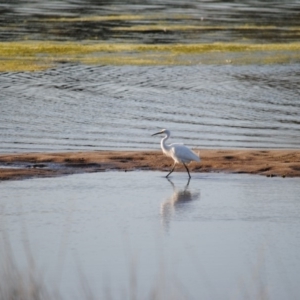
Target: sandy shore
{"points": [[284, 163]]}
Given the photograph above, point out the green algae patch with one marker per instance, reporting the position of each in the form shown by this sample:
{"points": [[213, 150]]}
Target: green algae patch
{"points": [[120, 17], [36, 56], [165, 26], [21, 65], [99, 18]]}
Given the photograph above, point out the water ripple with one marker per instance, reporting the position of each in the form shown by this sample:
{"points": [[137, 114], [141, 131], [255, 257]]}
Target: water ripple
{"points": [[76, 107]]}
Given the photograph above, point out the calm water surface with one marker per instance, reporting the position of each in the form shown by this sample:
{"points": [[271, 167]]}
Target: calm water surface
{"points": [[221, 237]]}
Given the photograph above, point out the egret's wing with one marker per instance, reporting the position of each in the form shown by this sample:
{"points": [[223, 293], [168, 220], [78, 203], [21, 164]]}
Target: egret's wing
{"points": [[183, 153]]}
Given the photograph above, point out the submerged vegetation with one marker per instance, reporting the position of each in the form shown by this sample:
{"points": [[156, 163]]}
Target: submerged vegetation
{"points": [[36, 56]]}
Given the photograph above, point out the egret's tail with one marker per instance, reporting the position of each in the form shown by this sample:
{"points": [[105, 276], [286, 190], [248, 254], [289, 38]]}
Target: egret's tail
{"points": [[198, 153], [196, 156]]}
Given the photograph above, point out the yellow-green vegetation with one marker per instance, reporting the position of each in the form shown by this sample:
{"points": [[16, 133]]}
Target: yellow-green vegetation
{"points": [[36, 56], [166, 27], [99, 18], [183, 27], [120, 17]]}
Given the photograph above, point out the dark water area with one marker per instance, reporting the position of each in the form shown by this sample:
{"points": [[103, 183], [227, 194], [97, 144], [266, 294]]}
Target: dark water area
{"points": [[209, 21]]}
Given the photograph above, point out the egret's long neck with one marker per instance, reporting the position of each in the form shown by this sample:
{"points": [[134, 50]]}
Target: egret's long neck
{"points": [[163, 144]]}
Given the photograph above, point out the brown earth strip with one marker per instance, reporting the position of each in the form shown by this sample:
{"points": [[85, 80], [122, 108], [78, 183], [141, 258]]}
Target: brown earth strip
{"points": [[285, 163]]}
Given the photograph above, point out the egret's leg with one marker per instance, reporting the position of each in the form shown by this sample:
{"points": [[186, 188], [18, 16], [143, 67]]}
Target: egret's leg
{"points": [[187, 185], [187, 170], [171, 170]]}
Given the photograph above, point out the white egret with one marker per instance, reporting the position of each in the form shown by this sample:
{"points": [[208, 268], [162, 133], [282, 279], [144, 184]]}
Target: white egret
{"points": [[179, 152]]}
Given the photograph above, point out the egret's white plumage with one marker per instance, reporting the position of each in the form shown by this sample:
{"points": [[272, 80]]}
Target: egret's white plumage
{"points": [[178, 152]]}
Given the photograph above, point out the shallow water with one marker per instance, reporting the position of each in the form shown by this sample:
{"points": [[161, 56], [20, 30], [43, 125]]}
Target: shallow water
{"points": [[128, 233], [77, 107]]}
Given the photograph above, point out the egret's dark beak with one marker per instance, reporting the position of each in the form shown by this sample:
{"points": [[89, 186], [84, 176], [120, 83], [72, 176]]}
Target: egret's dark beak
{"points": [[156, 133]]}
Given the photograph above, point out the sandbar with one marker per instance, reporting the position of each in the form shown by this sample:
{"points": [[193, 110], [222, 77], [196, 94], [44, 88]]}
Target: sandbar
{"points": [[283, 163]]}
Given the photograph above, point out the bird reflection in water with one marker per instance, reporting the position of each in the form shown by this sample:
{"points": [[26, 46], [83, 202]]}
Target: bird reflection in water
{"points": [[179, 203]]}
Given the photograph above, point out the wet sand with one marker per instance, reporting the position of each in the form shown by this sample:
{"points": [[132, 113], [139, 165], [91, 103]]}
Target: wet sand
{"points": [[284, 163]]}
